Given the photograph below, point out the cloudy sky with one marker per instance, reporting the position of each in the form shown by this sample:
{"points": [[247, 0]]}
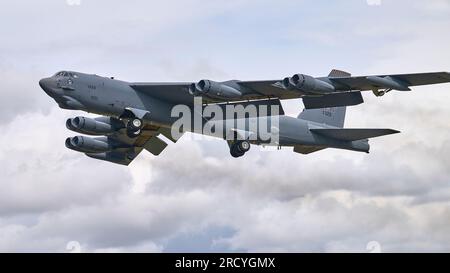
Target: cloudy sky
{"points": [[195, 197]]}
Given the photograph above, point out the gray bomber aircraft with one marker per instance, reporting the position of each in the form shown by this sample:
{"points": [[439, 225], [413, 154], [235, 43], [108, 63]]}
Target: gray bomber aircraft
{"points": [[135, 116]]}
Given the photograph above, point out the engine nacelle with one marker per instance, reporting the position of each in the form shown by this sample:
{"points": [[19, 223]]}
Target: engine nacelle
{"points": [[308, 84], [119, 158], [214, 90], [89, 126], [88, 144]]}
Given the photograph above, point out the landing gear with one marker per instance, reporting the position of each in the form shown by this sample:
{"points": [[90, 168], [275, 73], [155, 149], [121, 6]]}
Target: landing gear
{"points": [[239, 148], [134, 127], [380, 92]]}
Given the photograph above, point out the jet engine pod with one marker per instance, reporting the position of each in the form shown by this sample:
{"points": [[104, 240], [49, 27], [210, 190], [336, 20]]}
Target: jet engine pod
{"points": [[288, 84], [88, 144], [89, 126], [388, 82], [214, 90], [193, 89], [310, 84]]}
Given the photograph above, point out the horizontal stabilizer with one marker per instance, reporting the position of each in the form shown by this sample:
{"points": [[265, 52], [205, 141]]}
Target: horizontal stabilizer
{"points": [[333, 100], [353, 134]]}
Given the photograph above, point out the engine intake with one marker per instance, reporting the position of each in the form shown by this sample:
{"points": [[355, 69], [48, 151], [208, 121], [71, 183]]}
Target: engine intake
{"points": [[214, 90], [88, 144], [89, 126], [307, 84]]}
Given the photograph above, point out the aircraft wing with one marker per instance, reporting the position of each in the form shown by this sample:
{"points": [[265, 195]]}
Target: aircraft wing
{"points": [[129, 148], [344, 84], [365, 83], [345, 93], [179, 92]]}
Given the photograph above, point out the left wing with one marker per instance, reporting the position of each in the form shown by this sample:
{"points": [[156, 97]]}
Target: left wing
{"points": [[298, 86], [400, 82], [343, 82], [179, 92]]}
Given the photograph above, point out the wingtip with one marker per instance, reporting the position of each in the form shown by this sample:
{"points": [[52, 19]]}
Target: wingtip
{"points": [[391, 131]]}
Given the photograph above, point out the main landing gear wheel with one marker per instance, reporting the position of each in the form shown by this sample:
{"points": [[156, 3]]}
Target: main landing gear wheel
{"points": [[243, 146], [134, 127], [239, 148]]}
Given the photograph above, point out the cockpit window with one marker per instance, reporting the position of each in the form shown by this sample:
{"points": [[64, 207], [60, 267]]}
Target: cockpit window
{"points": [[60, 74], [65, 74]]}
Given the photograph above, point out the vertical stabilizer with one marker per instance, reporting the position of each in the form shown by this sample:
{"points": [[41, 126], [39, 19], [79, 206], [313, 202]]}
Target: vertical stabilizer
{"points": [[334, 116], [330, 116]]}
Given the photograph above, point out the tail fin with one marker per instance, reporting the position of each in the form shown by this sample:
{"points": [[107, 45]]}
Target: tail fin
{"points": [[334, 116], [331, 116]]}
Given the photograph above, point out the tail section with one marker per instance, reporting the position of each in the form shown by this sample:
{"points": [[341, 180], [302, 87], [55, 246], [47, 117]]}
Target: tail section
{"points": [[332, 132], [334, 116], [330, 116]]}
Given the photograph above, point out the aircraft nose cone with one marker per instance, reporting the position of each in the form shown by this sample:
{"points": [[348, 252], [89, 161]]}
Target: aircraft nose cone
{"points": [[45, 85]]}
